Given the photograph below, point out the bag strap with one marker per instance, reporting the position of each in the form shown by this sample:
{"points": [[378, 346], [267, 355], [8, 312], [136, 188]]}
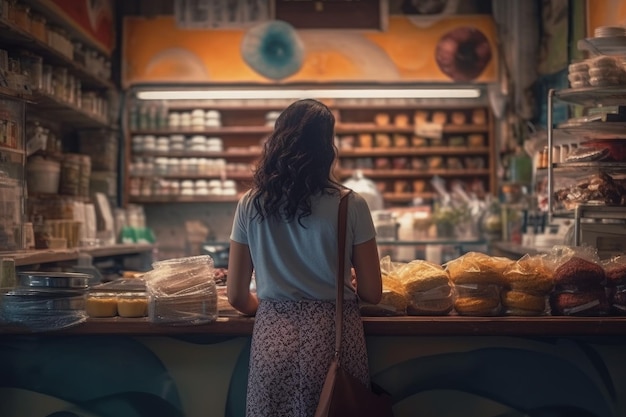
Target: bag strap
{"points": [[341, 255]]}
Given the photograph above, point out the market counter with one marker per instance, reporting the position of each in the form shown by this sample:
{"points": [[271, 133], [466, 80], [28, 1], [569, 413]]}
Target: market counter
{"points": [[233, 324], [432, 366]]}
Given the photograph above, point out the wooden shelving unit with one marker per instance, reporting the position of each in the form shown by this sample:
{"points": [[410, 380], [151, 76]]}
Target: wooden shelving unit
{"points": [[244, 127]]}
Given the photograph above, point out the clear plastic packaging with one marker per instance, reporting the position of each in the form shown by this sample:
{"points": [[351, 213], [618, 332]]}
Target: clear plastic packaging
{"points": [[477, 299], [394, 298], [428, 287], [40, 310], [182, 291]]}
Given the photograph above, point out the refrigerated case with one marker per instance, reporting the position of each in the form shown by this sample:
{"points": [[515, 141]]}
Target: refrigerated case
{"points": [[586, 169], [12, 161]]}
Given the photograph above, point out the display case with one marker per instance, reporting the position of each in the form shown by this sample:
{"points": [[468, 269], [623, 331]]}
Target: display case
{"points": [[586, 166], [190, 150]]}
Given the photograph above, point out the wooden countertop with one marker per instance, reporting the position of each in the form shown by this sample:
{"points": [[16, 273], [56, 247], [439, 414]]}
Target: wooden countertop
{"points": [[236, 325]]}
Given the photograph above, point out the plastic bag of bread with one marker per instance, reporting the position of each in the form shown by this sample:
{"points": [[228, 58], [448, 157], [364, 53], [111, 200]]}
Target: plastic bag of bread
{"points": [[579, 282], [477, 268], [531, 274], [428, 288], [528, 283], [394, 297], [615, 273], [477, 299]]}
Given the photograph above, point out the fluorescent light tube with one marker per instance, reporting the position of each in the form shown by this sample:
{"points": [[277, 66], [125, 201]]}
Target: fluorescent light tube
{"points": [[301, 93]]}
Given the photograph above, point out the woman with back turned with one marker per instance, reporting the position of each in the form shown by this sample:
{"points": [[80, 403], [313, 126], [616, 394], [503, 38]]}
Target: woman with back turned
{"points": [[285, 229]]}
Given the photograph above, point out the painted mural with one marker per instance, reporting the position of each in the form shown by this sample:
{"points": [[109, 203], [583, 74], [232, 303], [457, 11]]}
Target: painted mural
{"points": [[605, 13], [93, 18], [205, 376], [451, 49]]}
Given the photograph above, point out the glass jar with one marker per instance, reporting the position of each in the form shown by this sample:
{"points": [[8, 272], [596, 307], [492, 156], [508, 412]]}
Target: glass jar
{"points": [[132, 304], [101, 304]]}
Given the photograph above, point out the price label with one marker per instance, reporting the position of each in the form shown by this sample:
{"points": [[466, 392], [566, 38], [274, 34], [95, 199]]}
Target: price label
{"points": [[429, 130]]}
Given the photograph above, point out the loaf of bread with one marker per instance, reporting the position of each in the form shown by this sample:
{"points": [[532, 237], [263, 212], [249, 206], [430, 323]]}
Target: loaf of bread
{"points": [[529, 274], [393, 302], [615, 272], [524, 301], [477, 306], [582, 303], [458, 118], [401, 120], [382, 119], [420, 275], [477, 268], [579, 273]]}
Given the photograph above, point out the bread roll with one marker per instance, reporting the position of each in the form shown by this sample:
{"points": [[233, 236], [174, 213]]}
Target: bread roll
{"points": [[381, 119], [477, 268], [475, 306], [529, 274], [434, 307], [440, 117], [583, 303], [420, 275], [401, 120], [393, 302], [579, 272], [524, 301]]}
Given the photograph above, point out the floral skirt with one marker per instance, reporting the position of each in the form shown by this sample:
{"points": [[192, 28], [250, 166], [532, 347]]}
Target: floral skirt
{"points": [[292, 346]]}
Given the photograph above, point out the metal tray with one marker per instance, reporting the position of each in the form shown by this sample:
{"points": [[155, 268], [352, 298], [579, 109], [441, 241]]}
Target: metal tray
{"points": [[61, 280]]}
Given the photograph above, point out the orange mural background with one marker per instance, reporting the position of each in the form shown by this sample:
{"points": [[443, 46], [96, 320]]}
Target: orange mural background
{"points": [[605, 13], [94, 19], [155, 51]]}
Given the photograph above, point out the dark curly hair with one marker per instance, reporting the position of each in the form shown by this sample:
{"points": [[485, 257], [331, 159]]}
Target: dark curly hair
{"points": [[296, 163]]}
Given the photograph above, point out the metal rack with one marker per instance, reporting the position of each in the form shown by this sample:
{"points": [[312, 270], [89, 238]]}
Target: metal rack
{"points": [[603, 217]]}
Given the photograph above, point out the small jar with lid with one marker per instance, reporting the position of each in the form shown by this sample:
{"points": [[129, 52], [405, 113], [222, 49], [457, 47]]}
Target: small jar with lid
{"points": [[101, 304], [132, 304]]}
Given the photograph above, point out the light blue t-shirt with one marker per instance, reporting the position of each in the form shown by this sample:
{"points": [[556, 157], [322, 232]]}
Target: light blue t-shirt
{"points": [[296, 263]]}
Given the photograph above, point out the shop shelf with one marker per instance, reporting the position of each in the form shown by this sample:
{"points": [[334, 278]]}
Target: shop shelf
{"points": [[192, 154], [434, 150], [11, 35], [593, 96], [224, 130], [411, 173], [192, 176], [344, 128], [32, 257], [52, 108]]}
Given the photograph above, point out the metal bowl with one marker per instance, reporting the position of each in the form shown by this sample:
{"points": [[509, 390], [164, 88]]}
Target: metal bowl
{"points": [[61, 280]]}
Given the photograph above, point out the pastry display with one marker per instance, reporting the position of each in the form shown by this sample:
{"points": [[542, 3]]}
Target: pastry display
{"points": [[383, 140], [366, 140], [458, 118], [400, 141], [418, 142], [479, 117], [600, 188], [401, 120], [420, 117], [439, 117], [382, 119]]}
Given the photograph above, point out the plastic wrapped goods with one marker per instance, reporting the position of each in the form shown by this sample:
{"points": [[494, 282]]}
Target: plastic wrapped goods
{"points": [[182, 291]]}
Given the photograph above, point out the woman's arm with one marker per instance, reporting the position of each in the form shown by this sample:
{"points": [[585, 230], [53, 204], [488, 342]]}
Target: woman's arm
{"points": [[240, 269], [366, 263]]}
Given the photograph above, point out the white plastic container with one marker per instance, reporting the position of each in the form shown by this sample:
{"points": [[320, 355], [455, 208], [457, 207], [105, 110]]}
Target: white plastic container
{"points": [[42, 175]]}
